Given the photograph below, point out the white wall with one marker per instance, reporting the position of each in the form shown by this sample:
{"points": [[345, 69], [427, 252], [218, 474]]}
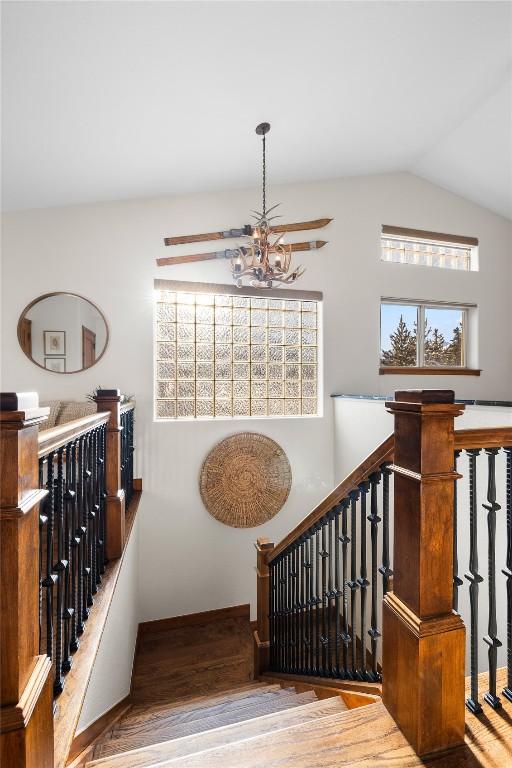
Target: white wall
{"points": [[188, 561]]}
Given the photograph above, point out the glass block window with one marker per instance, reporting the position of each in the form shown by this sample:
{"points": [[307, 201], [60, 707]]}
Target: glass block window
{"points": [[428, 249], [228, 356]]}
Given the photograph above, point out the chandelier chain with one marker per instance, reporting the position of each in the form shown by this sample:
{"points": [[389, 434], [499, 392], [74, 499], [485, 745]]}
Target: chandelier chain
{"points": [[264, 179]]}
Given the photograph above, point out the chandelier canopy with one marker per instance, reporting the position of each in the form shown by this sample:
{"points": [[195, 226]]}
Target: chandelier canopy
{"points": [[264, 260]]}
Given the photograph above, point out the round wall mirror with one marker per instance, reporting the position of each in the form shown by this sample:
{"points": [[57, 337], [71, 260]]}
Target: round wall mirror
{"points": [[63, 332]]}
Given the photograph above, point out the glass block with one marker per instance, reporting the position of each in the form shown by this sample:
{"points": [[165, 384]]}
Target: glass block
{"points": [[258, 317], [186, 371], [223, 334], [204, 371], [223, 390], [241, 301], [166, 370], [241, 353], [166, 332], [223, 352], [292, 304], [292, 372], [275, 371], [275, 354], [258, 389], [186, 408], [166, 312], [309, 372], [206, 299], [241, 371], [275, 388], [292, 319], [309, 319], [166, 351], [309, 354], [292, 354], [186, 298], [186, 313], [275, 407], [309, 407], [168, 296], [166, 389], [309, 306], [205, 390], [186, 389], [258, 353], [292, 336], [309, 337], [204, 315], [223, 408], [241, 317], [185, 352], [275, 318], [257, 303], [292, 407], [258, 407], [204, 351], [241, 389], [258, 371], [292, 388], [241, 335], [258, 335], [241, 407], [223, 370], [275, 303], [204, 334], [222, 300], [309, 389], [166, 409], [186, 333], [275, 336], [204, 408], [223, 315]]}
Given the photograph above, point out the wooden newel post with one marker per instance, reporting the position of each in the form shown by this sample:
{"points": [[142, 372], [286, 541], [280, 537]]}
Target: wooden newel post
{"points": [[110, 400], [262, 634], [26, 691], [423, 638]]}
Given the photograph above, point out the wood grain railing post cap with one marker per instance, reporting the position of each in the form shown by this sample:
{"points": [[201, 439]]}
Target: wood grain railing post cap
{"points": [[425, 396], [108, 394]]}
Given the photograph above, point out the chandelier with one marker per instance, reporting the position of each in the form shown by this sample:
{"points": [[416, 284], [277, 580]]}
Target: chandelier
{"points": [[264, 260]]}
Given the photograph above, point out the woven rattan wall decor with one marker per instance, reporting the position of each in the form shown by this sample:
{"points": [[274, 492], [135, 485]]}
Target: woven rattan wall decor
{"points": [[245, 480]]}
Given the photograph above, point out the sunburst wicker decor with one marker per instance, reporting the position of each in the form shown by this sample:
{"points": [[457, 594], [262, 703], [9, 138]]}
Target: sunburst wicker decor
{"points": [[245, 480]]}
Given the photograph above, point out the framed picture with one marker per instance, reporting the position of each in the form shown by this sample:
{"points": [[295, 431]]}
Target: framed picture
{"points": [[54, 342], [56, 364]]}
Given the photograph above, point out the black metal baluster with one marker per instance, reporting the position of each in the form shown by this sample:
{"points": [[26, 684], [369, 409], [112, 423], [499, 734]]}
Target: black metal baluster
{"points": [[338, 591], [89, 522], [374, 520], [308, 632], [324, 637], [318, 601], [43, 521], [457, 581], [363, 578], [331, 596], [271, 616], [353, 583], [385, 569], [474, 579], [60, 568], [102, 495], [345, 541], [68, 533], [491, 638], [50, 577], [507, 571], [288, 603], [82, 611], [296, 607], [75, 548], [97, 508], [282, 582], [302, 604]]}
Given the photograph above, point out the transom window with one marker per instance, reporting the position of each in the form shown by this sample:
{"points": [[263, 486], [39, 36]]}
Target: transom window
{"points": [[224, 353], [400, 245]]}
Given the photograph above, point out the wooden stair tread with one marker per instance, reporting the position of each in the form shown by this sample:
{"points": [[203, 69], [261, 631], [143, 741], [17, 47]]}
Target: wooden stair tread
{"points": [[188, 745], [158, 731]]}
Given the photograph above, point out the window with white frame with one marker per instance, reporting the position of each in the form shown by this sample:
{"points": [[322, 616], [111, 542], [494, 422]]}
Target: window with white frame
{"points": [[400, 245], [424, 334], [222, 352]]}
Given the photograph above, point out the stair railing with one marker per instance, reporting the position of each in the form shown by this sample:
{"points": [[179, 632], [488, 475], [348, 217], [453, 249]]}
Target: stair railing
{"points": [[62, 510]]}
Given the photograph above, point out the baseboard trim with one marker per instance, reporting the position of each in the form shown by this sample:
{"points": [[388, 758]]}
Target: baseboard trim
{"points": [[191, 619], [96, 729]]}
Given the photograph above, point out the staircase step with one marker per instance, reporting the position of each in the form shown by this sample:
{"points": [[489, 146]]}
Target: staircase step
{"points": [[189, 745], [142, 734]]}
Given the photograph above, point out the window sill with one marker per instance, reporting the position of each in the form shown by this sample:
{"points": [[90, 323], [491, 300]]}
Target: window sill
{"points": [[416, 371]]}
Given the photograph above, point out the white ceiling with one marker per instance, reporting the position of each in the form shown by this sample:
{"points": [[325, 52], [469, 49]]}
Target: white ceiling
{"points": [[118, 100]]}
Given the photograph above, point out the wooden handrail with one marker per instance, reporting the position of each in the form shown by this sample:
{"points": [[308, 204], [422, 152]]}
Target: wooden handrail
{"points": [[58, 436], [484, 437], [382, 453]]}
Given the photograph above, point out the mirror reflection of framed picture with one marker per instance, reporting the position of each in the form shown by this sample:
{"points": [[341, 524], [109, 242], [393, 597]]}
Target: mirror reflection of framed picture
{"points": [[54, 342], [56, 364]]}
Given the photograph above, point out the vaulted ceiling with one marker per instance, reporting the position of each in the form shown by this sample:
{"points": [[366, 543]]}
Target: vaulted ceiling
{"points": [[119, 100]]}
